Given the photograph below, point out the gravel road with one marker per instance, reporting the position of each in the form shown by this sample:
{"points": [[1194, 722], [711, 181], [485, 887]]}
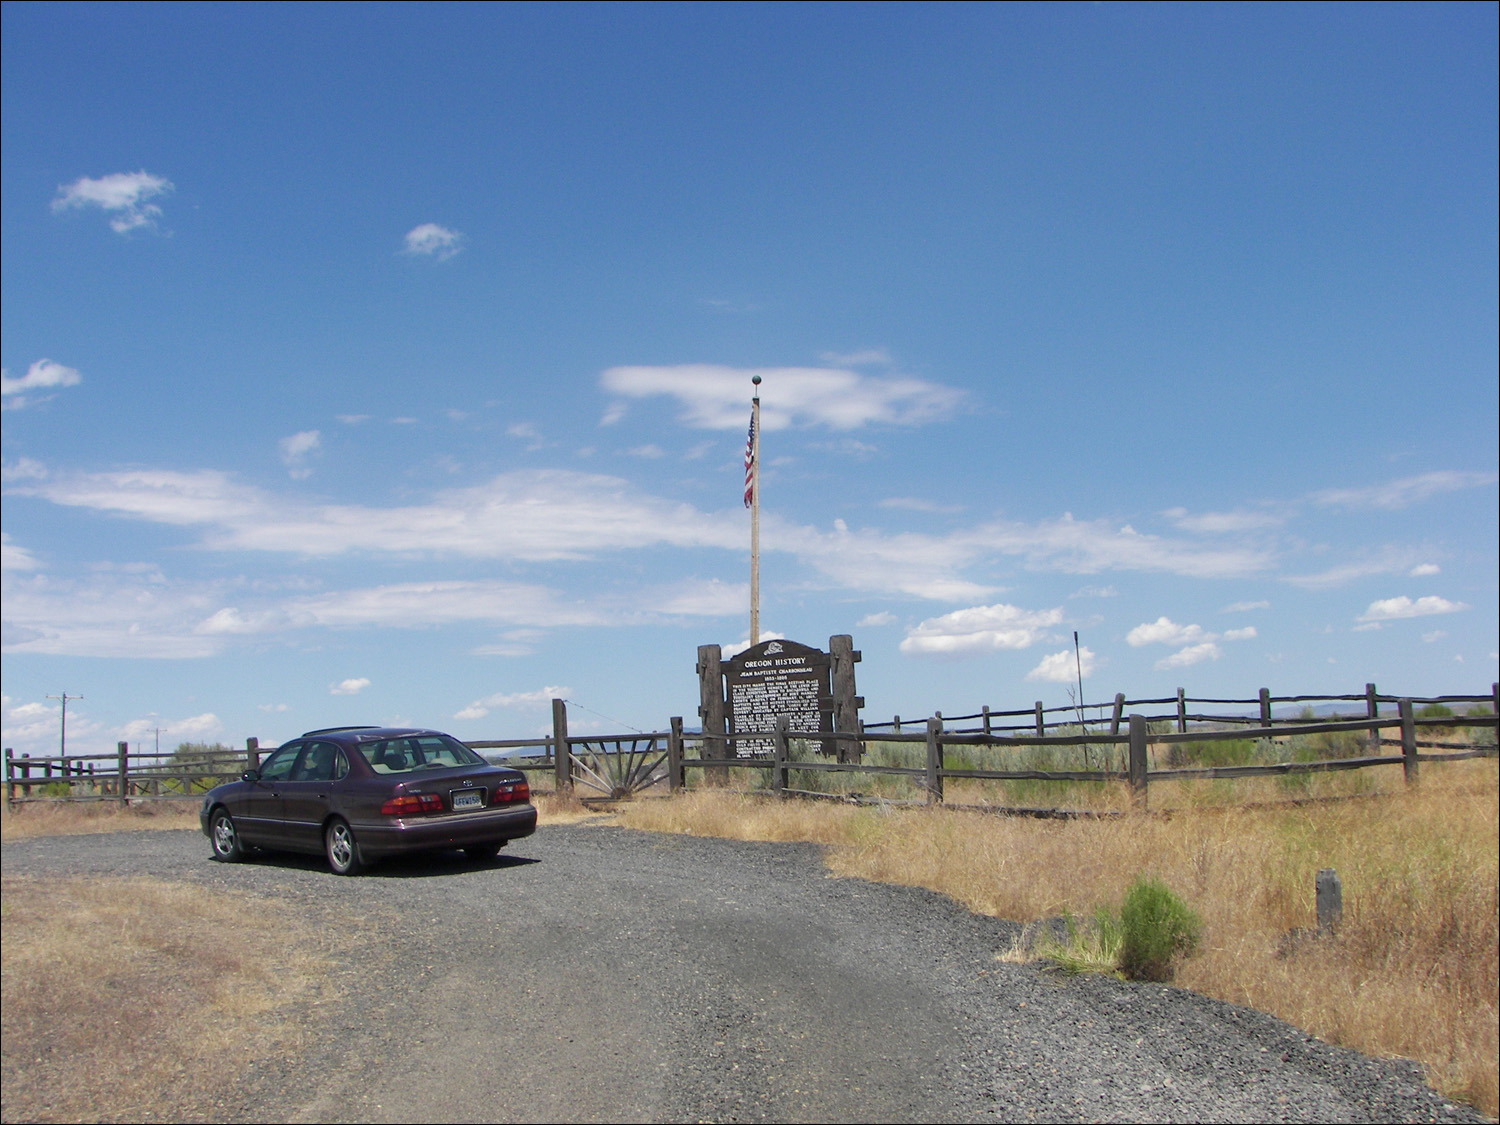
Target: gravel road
{"points": [[594, 973]]}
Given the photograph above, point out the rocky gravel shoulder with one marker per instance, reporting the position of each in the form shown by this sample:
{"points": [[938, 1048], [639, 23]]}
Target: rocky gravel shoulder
{"points": [[599, 973]]}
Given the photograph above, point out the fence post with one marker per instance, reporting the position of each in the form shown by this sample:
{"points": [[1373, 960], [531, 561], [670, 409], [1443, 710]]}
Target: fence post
{"points": [[985, 711], [10, 774], [123, 749], [1372, 711], [252, 753], [779, 754], [1329, 889], [934, 761], [1408, 741], [1041, 721], [1138, 775], [1265, 707], [676, 775], [562, 757], [1181, 711], [896, 725], [1114, 720]]}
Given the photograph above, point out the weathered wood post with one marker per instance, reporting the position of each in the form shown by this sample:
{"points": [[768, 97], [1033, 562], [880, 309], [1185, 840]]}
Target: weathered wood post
{"points": [[1330, 895], [252, 753], [676, 774], [1041, 721], [1117, 714], [10, 773], [1265, 707], [934, 760], [1372, 711], [896, 725], [711, 710], [1137, 773], [846, 704], [562, 757], [1408, 741], [985, 712], [1181, 711], [779, 754], [123, 750]]}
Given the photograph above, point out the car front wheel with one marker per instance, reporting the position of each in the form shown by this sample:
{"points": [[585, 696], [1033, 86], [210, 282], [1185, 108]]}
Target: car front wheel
{"points": [[343, 851], [225, 838]]}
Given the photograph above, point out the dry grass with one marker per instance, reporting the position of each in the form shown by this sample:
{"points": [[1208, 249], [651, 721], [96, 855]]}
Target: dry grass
{"points": [[1412, 972], [62, 818], [133, 999]]}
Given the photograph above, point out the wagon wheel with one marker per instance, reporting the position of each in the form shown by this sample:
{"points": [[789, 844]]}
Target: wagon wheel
{"points": [[610, 768]]}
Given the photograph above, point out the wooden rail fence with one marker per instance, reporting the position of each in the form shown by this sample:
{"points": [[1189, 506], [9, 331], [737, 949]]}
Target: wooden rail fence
{"points": [[615, 766]]}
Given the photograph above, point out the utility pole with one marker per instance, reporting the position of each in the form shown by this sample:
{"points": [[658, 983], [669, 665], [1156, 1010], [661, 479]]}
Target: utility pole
{"points": [[63, 748], [752, 485]]}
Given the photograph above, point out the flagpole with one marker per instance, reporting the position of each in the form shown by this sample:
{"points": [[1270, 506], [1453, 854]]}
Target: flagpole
{"points": [[755, 516]]}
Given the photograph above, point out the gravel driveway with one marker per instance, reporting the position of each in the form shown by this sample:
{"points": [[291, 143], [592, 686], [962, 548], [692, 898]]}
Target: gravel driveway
{"points": [[597, 973]]}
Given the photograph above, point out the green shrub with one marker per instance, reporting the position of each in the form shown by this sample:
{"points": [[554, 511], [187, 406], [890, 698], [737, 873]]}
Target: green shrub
{"points": [[1435, 711], [1157, 928]]}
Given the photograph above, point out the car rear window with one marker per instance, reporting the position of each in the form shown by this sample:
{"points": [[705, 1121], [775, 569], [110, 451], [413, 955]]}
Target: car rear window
{"points": [[418, 752]]}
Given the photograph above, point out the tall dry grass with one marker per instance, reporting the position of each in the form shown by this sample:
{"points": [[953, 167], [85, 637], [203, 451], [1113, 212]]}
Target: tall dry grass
{"points": [[1411, 972], [141, 999]]}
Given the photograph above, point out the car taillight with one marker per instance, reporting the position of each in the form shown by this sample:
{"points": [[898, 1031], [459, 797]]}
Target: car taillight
{"points": [[512, 791], [412, 804]]}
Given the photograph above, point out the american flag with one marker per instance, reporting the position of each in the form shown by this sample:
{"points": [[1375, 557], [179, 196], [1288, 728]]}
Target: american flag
{"points": [[750, 463]]}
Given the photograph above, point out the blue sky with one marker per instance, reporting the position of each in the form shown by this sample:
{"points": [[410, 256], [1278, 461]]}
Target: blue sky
{"points": [[392, 363]]}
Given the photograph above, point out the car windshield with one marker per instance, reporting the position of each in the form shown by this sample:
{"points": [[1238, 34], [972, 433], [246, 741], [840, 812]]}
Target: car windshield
{"points": [[418, 752]]}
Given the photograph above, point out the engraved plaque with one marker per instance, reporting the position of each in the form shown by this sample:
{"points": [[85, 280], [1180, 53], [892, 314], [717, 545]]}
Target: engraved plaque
{"points": [[778, 678]]}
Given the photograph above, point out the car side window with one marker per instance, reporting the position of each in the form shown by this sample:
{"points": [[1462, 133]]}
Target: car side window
{"points": [[320, 761], [278, 767]]}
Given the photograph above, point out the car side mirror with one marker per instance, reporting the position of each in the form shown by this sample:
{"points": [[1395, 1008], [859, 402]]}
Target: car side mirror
{"points": [[250, 775]]}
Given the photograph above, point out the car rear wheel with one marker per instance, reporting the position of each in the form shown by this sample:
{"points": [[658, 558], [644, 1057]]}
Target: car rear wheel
{"points": [[225, 838], [343, 851], [482, 852]]}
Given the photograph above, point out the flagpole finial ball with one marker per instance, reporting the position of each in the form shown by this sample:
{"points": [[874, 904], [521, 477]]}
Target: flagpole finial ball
{"points": [[755, 379]]}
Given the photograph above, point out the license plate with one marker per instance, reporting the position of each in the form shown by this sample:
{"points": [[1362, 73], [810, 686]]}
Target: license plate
{"points": [[468, 799]]}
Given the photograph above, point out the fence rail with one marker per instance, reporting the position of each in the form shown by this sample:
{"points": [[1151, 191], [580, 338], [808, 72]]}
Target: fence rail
{"points": [[619, 765]]}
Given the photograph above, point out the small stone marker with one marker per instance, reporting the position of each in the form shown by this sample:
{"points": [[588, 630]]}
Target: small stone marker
{"points": [[1330, 901]]}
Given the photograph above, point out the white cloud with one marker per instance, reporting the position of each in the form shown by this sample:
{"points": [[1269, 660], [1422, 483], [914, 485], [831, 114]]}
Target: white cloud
{"points": [[1393, 609], [718, 397], [647, 452], [15, 558], [1218, 523], [1163, 631], [124, 193], [1245, 634], [1064, 667], [1435, 635], [730, 651], [1244, 607], [433, 241], [1193, 654], [42, 374], [983, 628], [1398, 494], [295, 451], [874, 620], [518, 699], [352, 686], [1423, 570], [1095, 592]]}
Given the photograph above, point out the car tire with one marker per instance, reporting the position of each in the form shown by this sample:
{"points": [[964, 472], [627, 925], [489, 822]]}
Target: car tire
{"points": [[342, 848], [225, 837], [483, 853]]}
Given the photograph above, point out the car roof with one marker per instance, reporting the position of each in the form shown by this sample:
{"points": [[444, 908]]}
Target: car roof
{"points": [[367, 734]]}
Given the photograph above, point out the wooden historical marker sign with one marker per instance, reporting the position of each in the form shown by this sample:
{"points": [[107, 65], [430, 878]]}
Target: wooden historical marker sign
{"points": [[778, 678]]}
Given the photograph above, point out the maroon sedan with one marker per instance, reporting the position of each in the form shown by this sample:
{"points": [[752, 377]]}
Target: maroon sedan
{"points": [[356, 794]]}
